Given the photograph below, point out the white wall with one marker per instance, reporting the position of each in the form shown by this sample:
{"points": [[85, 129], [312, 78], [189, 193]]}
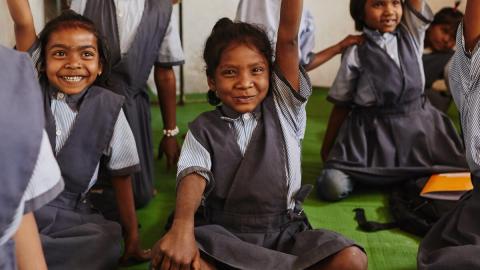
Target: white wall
{"points": [[6, 25]]}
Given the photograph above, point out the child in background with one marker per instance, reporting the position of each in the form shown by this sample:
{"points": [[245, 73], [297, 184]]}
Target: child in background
{"points": [[89, 132], [381, 129], [267, 14], [454, 241], [30, 174], [241, 162], [439, 44]]}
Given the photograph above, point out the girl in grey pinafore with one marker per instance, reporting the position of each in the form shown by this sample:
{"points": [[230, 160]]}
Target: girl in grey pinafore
{"points": [[454, 241], [391, 133], [129, 76], [30, 175]]}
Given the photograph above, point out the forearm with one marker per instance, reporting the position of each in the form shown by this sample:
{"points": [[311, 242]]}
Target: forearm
{"points": [[21, 14], [28, 248], [323, 56], [337, 117], [125, 203], [287, 40], [166, 89], [471, 25], [416, 4], [189, 197]]}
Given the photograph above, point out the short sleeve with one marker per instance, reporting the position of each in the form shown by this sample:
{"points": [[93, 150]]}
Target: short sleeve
{"points": [[194, 158], [123, 154], [417, 22], [342, 91], [171, 52]]}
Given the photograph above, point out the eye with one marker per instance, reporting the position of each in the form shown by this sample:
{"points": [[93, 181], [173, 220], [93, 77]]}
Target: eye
{"points": [[59, 53], [228, 72], [258, 70], [396, 3], [88, 54]]}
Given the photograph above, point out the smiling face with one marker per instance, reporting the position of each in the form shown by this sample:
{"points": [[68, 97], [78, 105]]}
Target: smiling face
{"points": [[383, 15], [72, 60], [441, 37], [241, 79]]}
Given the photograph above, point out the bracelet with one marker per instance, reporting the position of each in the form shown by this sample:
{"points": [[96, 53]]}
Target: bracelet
{"points": [[171, 132]]}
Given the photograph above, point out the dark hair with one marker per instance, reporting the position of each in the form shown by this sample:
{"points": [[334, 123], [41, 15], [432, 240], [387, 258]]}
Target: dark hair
{"points": [[448, 15], [357, 11], [68, 20], [226, 32]]}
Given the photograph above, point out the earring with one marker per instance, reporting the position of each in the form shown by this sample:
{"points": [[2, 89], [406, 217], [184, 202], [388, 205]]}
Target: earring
{"points": [[213, 98]]}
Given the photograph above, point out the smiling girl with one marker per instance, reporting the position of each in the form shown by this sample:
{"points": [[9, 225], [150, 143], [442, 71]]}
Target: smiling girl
{"points": [[90, 136], [382, 130], [241, 163]]}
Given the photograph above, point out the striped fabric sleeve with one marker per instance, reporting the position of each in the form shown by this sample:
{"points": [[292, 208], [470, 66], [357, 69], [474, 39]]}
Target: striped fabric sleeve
{"points": [[291, 103], [123, 150], [194, 158]]}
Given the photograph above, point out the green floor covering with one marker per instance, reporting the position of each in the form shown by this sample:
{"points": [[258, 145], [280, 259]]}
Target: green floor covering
{"points": [[387, 250]]}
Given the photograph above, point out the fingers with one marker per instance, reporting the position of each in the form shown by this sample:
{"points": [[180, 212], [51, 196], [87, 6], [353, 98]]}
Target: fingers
{"points": [[196, 262], [157, 260]]}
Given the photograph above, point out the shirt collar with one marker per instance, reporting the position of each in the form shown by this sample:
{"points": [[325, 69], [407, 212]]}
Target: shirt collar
{"points": [[379, 37], [73, 101], [230, 115]]}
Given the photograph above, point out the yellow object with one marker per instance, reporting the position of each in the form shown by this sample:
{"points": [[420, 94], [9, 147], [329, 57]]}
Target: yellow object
{"points": [[447, 186]]}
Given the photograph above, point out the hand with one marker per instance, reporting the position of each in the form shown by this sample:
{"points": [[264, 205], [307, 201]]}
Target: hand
{"points": [[169, 146], [176, 250], [133, 252], [349, 41]]}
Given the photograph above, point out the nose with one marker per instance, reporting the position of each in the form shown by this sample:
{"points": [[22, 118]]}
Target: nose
{"points": [[244, 81], [73, 61], [389, 8]]}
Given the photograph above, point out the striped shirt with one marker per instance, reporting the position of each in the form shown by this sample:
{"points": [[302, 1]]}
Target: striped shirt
{"points": [[121, 150], [290, 106], [465, 87], [44, 185], [351, 86]]}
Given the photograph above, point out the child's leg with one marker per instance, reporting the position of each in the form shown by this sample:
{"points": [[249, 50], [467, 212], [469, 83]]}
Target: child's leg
{"points": [[351, 258], [333, 185]]}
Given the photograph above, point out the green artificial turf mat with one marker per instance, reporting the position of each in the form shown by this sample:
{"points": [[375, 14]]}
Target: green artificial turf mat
{"points": [[387, 250]]}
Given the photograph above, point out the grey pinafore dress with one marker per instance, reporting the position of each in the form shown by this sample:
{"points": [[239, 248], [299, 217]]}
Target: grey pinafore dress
{"points": [[129, 76], [454, 241], [244, 222], [434, 65], [73, 235], [21, 122], [403, 135]]}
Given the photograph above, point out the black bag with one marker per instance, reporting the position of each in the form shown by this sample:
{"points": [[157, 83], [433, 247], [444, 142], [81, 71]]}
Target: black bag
{"points": [[410, 212]]}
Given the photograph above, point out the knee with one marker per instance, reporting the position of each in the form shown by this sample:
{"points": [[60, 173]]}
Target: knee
{"points": [[333, 185], [351, 258]]}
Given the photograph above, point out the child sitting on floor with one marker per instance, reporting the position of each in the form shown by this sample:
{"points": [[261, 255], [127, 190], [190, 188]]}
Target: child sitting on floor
{"points": [[241, 162], [382, 130], [89, 135], [454, 241]]}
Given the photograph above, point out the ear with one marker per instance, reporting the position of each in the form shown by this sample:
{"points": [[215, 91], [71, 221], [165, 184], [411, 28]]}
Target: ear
{"points": [[211, 83], [100, 68]]}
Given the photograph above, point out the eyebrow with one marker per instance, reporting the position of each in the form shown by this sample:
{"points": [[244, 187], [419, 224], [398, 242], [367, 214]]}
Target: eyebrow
{"points": [[70, 47]]}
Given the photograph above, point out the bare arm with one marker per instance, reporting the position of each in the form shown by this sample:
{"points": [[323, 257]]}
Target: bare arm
{"points": [[327, 54], [28, 248], [126, 207], [471, 26], [337, 116], [178, 247], [25, 35], [166, 89], [287, 41]]}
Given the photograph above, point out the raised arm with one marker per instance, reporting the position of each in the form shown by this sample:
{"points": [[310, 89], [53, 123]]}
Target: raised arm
{"points": [[416, 4], [25, 35], [471, 25], [287, 40]]}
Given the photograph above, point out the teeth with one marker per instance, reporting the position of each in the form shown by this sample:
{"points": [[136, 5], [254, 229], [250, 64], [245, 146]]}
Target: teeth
{"points": [[72, 78]]}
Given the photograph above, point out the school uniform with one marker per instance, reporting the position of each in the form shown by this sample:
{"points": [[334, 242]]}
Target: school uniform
{"points": [[266, 14], [30, 175], [89, 134], [392, 132], [135, 43], [435, 64], [251, 215], [454, 241]]}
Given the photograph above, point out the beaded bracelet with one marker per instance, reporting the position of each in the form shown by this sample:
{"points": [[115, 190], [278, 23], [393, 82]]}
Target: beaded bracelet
{"points": [[171, 132]]}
